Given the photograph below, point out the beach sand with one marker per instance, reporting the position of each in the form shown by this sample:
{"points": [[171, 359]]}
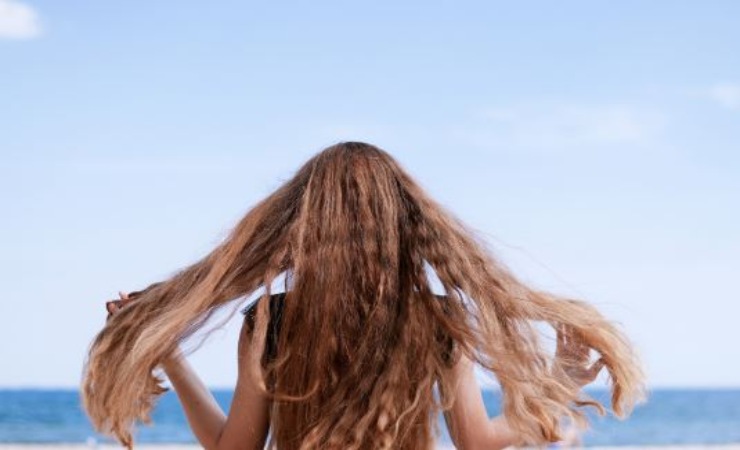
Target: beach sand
{"points": [[196, 447]]}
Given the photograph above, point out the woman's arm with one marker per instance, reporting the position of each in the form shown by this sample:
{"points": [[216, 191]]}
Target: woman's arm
{"points": [[205, 416], [468, 422], [246, 425]]}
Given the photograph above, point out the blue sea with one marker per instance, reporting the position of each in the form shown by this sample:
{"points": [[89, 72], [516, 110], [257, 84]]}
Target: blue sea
{"points": [[669, 417]]}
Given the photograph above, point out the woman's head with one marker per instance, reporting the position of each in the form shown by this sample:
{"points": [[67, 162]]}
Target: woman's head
{"points": [[363, 335]]}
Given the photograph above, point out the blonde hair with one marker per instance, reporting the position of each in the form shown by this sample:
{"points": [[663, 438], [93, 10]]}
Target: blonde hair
{"points": [[359, 351]]}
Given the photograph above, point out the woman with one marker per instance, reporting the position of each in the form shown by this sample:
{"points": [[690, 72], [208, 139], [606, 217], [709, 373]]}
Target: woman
{"points": [[359, 353]]}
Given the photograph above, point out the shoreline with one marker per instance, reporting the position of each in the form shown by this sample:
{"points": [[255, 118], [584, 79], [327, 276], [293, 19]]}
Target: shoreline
{"points": [[164, 446]]}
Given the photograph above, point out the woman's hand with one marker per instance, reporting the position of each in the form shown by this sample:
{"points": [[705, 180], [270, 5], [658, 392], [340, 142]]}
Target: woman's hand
{"points": [[113, 306], [573, 356]]}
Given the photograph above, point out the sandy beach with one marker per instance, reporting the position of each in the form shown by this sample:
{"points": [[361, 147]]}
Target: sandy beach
{"points": [[195, 447]]}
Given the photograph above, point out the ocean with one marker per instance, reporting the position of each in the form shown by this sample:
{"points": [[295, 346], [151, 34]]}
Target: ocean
{"points": [[671, 417]]}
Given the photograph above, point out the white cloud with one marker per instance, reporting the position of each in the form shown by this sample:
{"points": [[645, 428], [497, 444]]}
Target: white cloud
{"points": [[18, 21], [726, 94], [554, 127]]}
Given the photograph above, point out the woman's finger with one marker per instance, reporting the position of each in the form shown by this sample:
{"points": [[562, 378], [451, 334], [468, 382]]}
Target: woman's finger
{"points": [[562, 339], [112, 306], [126, 298], [595, 368], [581, 350]]}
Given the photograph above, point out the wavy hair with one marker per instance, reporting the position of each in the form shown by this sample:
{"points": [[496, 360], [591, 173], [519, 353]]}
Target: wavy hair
{"points": [[360, 352]]}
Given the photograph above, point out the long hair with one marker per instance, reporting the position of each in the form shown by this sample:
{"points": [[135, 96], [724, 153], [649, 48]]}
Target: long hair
{"points": [[359, 353]]}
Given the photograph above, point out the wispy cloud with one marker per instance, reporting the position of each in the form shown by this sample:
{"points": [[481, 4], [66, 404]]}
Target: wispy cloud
{"points": [[18, 21], [555, 127], [726, 94]]}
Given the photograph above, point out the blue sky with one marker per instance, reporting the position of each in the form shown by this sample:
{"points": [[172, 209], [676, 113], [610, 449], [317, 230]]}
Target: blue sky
{"points": [[593, 143]]}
